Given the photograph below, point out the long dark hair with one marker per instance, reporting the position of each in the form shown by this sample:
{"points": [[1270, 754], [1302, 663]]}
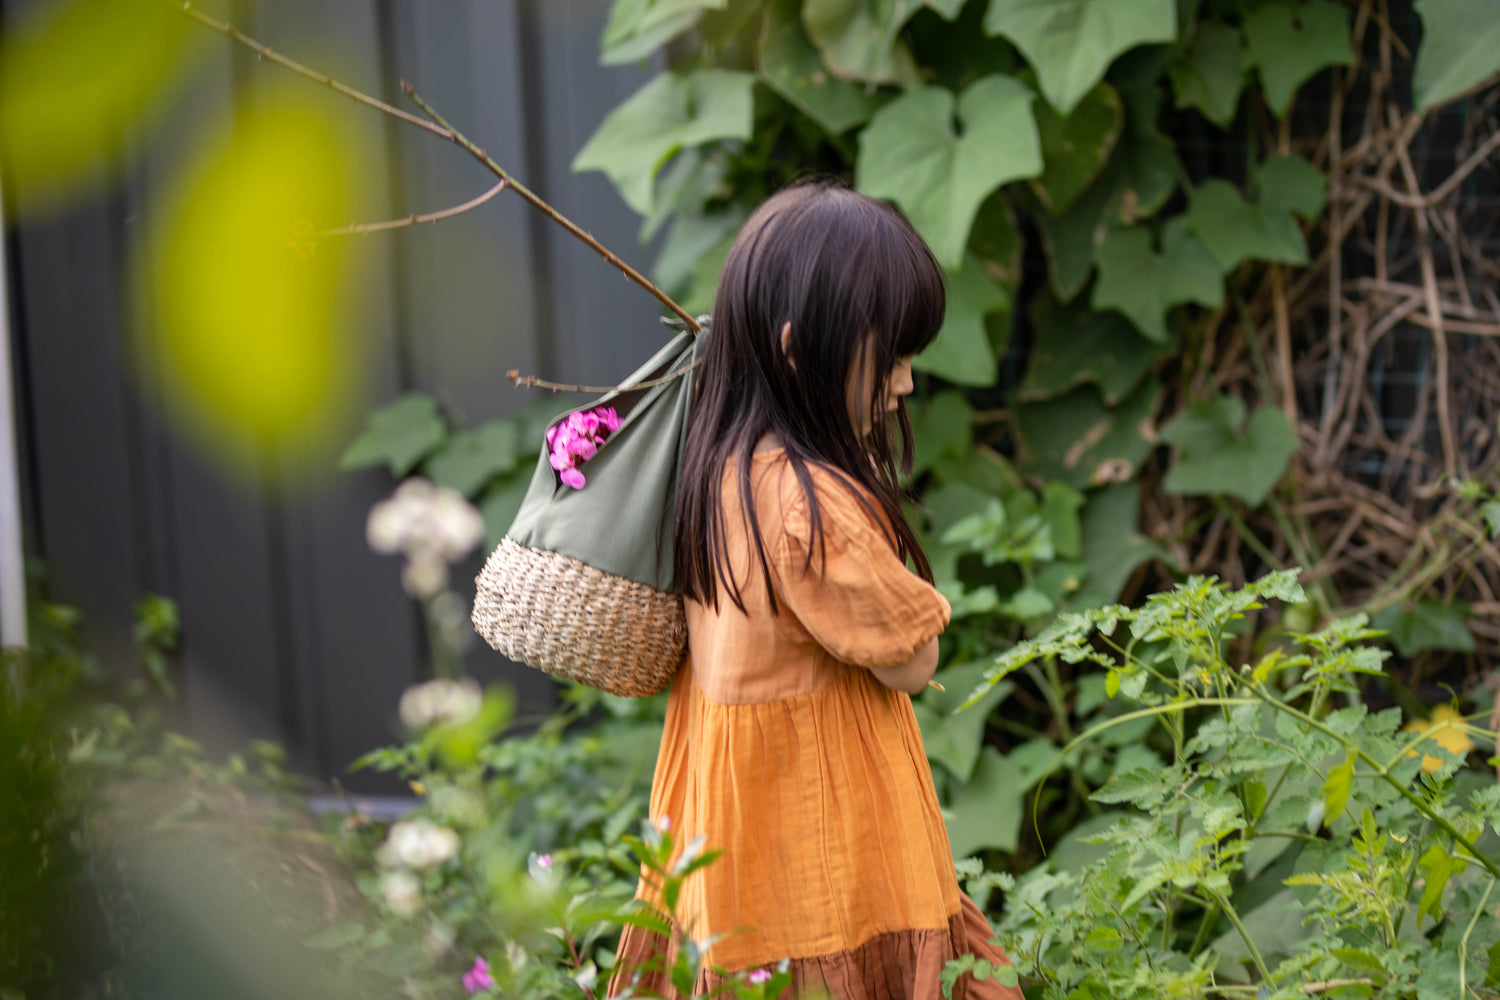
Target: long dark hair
{"points": [[851, 276]]}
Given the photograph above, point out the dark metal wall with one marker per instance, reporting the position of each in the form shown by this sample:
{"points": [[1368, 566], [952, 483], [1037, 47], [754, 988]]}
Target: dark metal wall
{"points": [[292, 629]]}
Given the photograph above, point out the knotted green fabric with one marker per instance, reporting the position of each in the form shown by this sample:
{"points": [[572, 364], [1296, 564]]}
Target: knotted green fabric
{"points": [[620, 522]]}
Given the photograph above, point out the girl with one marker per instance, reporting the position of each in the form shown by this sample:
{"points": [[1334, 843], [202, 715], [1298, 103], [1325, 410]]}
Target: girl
{"points": [[790, 740]]}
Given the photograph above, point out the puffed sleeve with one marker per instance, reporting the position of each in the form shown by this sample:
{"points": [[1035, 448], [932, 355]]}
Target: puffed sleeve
{"points": [[856, 598]]}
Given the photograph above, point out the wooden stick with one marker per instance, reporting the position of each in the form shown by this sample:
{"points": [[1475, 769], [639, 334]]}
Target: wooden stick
{"points": [[365, 228]]}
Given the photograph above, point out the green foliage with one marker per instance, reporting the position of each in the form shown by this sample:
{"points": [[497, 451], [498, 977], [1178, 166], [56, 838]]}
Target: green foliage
{"points": [[1223, 454], [1286, 836], [1287, 43], [1460, 48]]}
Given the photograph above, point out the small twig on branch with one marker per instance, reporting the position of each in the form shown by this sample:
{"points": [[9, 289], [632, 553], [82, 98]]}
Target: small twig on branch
{"points": [[365, 228], [532, 382], [460, 139]]}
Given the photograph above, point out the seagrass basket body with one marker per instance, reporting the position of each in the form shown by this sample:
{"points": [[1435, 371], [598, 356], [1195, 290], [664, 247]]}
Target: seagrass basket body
{"points": [[581, 586]]}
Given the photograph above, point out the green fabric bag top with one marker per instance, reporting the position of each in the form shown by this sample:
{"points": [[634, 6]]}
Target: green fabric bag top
{"points": [[621, 520]]}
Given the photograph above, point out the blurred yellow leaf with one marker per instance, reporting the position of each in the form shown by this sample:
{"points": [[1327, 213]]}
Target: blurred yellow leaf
{"points": [[250, 320], [76, 78], [1446, 729]]}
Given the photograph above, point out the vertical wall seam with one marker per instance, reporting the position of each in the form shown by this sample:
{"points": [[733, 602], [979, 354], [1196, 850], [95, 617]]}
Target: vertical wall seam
{"points": [[539, 235]]}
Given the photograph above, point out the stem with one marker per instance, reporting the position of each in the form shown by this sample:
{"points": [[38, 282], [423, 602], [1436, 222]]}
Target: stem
{"points": [[1411, 876], [1234, 918], [1210, 914], [1246, 535], [532, 382], [1384, 773], [365, 228], [453, 135], [1463, 945]]}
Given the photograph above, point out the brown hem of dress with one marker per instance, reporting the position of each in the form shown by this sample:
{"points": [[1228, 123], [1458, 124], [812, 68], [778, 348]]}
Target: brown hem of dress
{"points": [[902, 965]]}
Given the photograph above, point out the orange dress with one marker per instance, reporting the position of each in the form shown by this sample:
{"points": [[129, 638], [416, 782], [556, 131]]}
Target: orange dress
{"points": [[808, 772]]}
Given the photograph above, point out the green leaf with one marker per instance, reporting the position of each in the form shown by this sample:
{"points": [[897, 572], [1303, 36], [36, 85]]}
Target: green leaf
{"points": [[1076, 439], [1492, 970], [791, 66], [1075, 344], [1060, 506], [1436, 865], [472, 458], [986, 812], [1255, 799], [500, 504], [861, 39], [942, 426], [1217, 457], [1427, 624], [951, 738], [1288, 44], [962, 353], [912, 154], [1076, 148], [1490, 511], [1233, 230], [337, 936], [1336, 790], [398, 436], [1291, 184], [1144, 284], [1070, 43], [671, 112], [1113, 546], [637, 28], [1208, 76], [692, 255], [1460, 47]]}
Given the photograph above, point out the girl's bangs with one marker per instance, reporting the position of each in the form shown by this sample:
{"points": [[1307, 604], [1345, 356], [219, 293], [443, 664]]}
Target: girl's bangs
{"points": [[914, 296]]}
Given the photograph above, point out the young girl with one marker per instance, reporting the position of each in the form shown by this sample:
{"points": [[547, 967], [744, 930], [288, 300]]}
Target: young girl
{"points": [[790, 740]]}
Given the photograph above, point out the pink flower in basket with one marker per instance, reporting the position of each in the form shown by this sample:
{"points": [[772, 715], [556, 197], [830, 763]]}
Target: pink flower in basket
{"points": [[577, 439]]}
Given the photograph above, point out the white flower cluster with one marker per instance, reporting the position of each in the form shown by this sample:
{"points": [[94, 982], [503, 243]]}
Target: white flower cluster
{"points": [[440, 701], [417, 844], [432, 526]]}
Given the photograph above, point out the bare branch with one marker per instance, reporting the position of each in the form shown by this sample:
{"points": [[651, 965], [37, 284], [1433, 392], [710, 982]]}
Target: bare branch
{"points": [[365, 228]]}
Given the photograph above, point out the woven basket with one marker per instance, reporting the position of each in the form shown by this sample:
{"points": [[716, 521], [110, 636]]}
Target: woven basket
{"points": [[572, 620]]}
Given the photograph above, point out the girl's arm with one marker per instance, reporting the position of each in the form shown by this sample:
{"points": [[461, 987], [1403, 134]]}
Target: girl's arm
{"points": [[913, 675]]}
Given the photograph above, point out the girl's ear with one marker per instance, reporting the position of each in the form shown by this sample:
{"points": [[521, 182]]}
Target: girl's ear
{"points": [[786, 344]]}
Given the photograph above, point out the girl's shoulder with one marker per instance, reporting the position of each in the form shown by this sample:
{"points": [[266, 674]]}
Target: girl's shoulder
{"points": [[790, 506]]}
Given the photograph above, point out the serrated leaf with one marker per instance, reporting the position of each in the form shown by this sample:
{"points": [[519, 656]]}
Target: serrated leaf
{"points": [[1076, 148], [1460, 47], [1221, 454], [861, 39], [1070, 43], [1289, 43], [1336, 790], [1074, 345], [637, 28], [1291, 184], [791, 66], [1234, 230], [1143, 284], [1427, 624], [1078, 440], [1113, 546], [671, 112], [912, 154], [398, 435], [962, 353], [1208, 76], [471, 458]]}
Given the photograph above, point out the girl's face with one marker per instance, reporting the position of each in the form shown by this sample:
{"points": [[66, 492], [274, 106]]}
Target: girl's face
{"points": [[857, 393]]}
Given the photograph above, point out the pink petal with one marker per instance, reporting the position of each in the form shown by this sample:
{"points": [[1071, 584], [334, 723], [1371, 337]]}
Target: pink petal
{"points": [[573, 478]]}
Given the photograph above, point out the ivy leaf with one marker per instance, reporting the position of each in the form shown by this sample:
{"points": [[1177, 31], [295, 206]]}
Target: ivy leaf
{"points": [[1460, 47], [986, 812], [962, 353], [911, 154], [1288, 44], [1075, 344], [1144, 284], [996, 241], [671, 112], [1291, 184], [1208, 76], [1217, 457], [942, 427], [1112, 543], [953, 738], [473, 457], [861, 39], [692, 255], [398, 436], [501, 503], [637, 28], [1076, 439], [1336, 790], [1060, 505], [1233, 230], [1070, 43], [791, 66], [1076, 148], [1425, 625]]}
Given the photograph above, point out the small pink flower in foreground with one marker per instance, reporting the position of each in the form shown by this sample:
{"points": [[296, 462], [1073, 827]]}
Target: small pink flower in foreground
{"points": [[760, 976], [478, 979], [664, 824], [544, 862]]}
